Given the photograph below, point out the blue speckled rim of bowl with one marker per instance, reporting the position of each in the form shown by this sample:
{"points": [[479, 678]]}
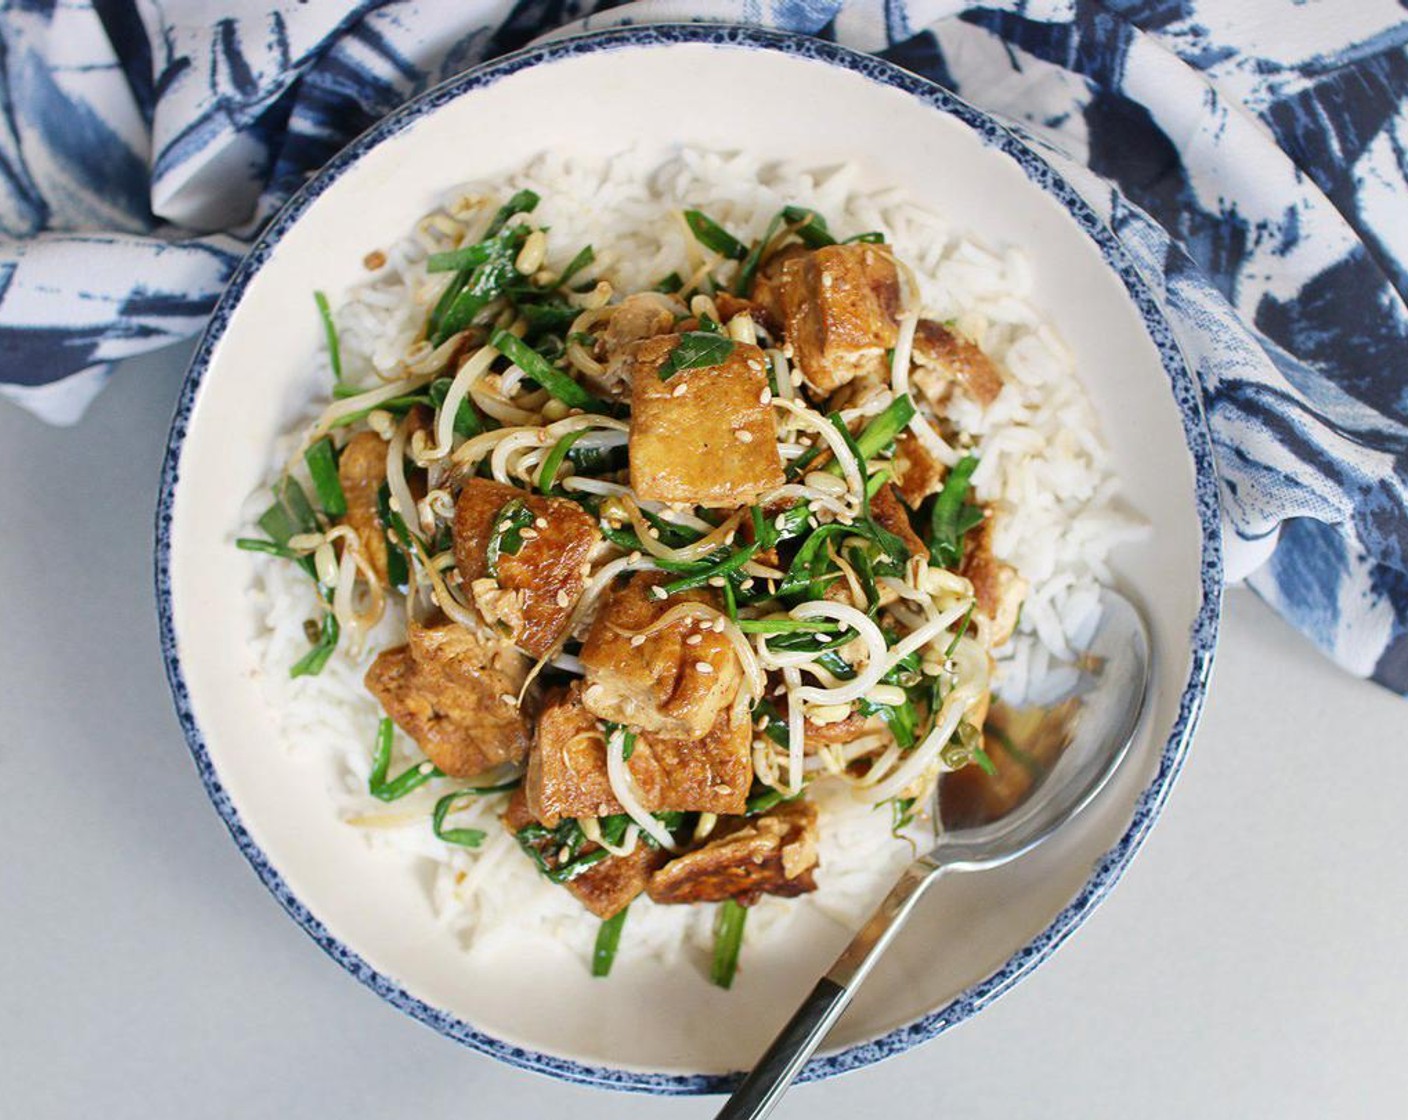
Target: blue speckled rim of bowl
{"points": [[1203, 636]]}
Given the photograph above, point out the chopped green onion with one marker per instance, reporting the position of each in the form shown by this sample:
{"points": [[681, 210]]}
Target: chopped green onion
{"points": [[728, 941], [608, 938], [322, 467], [696, 350], [506, 535], [410, 779], [330, 331], [548, 475], [713, 236], [537, 367], [584, 257]]}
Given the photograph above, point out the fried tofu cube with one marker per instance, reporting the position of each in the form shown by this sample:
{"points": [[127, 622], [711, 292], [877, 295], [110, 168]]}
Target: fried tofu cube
{"points": [[445, 689], [945, 360], [669, 684], [775, 853], [839, 309], [917, 473], [532, 597], [890, 514], [606, 887], [636, 318], [567, 772], [704, 436], [998, 588], [767, 290]]}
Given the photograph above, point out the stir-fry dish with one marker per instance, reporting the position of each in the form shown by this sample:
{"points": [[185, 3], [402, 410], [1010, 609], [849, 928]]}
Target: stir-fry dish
{"points": [[670, 560]]}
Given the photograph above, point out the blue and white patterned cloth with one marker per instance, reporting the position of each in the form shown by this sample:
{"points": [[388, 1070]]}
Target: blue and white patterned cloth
{"points": [[1253, 154]]}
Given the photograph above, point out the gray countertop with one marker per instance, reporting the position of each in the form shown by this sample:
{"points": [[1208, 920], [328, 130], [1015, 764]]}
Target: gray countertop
{"points": [[1251, 963]]}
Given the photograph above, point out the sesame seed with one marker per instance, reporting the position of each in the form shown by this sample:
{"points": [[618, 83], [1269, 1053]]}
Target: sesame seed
{"points": [[765, 397], [586, 568], [730, 535], [638, 640], [564, 854], [703, 667], [845, 519], [635, 557], [510, 699], [562, 599], [719, 625], [541, 522], [813, 522], [653, 533], [780, 522], [772, 587], [743, 436], [746, 584], [827, 279], [755, 365], [722, 790], [426, 767], [716, 581], [530, 534], [694, 639], [796, 378], [659, 592], [680, 390]]}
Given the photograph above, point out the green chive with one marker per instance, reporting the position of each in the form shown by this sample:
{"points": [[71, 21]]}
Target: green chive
{"points": [[536, 366], [728, 941], [506, 535], [786, 626], [254, 544], [951, 516], [723, 568], [322, 467], [811, 227], [608, 939], [713, 236], [548, 475], [962, 629], [410, 779], [583, 258], [464, 837], [330, 331], [696, 350], [312, 662]]}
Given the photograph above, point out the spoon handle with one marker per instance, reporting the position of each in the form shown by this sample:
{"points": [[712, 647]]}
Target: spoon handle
{"points": [[798, 1040]]}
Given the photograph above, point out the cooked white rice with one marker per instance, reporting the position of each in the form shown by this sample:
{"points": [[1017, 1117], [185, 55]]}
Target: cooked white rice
{"points": [[1042, 464]]}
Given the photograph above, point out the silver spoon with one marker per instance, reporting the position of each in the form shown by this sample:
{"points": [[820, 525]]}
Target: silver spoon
{"points": [[1069, 748]]}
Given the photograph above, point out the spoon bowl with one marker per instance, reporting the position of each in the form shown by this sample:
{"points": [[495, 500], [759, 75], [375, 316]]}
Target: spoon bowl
{"points": [[1070, 746]]}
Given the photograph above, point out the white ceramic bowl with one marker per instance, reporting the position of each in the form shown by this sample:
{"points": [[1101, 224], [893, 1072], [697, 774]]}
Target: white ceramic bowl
{"points": [[647, 1027]]}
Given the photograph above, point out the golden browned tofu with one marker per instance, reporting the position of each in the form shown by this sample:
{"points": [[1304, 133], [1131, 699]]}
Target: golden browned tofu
{"points": [[767, 292], [535, 590], [996, 585], [636, 318], [445, 689], [606, 887], [945, 359], [567, 773], [705, 436], [676, 681], [771, 854], [917, 473], [890, 514], [361, 470], [839, 307]]}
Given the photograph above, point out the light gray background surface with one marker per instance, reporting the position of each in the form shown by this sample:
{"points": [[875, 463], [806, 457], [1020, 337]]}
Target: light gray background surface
{"points": [[1251, 963]]}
